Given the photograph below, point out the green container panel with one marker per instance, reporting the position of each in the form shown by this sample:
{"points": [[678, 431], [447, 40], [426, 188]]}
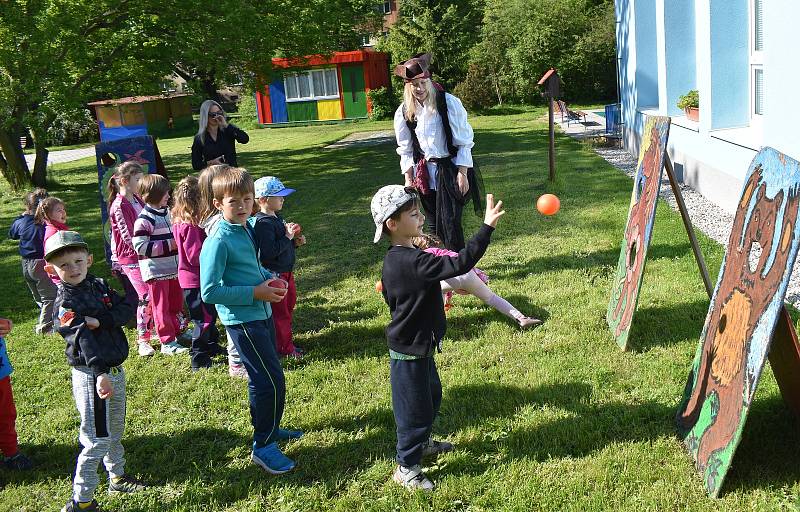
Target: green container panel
{"points": [[302, 110]]}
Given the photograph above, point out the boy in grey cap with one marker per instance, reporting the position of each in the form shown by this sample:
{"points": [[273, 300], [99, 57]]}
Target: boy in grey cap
{"points": [[89, 316], [411, 288]]}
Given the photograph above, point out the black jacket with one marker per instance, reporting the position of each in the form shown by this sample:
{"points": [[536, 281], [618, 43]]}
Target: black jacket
{"points": [[224, 145], [411, 289], [100, 348], [275, 251], [30, 236]]}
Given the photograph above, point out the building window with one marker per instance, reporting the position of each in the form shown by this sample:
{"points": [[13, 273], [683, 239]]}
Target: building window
{"points": [[756, 60], [387, 7], [315, 84]]}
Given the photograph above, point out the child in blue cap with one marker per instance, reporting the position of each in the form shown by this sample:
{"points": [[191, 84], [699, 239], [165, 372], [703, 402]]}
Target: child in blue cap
{"points": [[276, 241]]}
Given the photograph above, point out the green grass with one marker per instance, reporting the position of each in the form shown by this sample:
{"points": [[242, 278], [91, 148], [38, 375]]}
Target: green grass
{"points": [[553, 419]]}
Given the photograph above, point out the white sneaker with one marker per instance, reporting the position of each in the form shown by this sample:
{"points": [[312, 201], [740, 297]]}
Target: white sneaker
{"points": [[145, 349], [412, 478], [172, 348]]}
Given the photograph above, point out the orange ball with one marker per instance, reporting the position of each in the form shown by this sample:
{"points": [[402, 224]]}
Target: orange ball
{"points": [[378, 286], [548, 204]]}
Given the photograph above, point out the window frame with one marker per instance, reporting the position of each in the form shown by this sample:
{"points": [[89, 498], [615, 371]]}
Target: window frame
{"points": [[309, 74], [755, 62]]}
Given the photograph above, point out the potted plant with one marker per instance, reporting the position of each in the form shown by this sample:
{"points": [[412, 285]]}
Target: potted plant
{"points": [[690, 103]]}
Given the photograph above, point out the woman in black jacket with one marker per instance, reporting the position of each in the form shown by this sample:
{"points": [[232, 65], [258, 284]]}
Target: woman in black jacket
{"points": [[215, 142]]}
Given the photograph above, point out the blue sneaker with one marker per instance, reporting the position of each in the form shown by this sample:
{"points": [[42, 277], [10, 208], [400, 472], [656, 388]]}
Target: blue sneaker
{"points": [[284, 434], [272, 459]]}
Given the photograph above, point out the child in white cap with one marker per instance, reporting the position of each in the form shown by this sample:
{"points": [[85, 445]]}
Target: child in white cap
{"points": [[411, 288]]}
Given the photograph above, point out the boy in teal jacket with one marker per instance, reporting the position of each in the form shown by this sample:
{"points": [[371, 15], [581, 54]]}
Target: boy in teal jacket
{"points": [[232, 279]]}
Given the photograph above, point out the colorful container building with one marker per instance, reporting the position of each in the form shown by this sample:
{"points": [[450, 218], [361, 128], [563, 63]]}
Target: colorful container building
{"points": [[319, 88], [142, 115]]}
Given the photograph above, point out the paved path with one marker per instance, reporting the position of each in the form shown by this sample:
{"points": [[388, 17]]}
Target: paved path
{"points": [[363, 139], [67, 155], [705, 216]]}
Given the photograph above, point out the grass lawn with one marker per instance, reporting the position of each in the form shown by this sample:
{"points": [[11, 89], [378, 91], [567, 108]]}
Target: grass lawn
{"points": [[552, 419]]}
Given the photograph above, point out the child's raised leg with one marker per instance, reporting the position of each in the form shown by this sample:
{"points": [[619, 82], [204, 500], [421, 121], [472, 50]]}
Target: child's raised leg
{"points": [[471, 283]]}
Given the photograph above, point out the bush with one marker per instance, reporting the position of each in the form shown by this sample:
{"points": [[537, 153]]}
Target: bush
{"points": [[248, 116], [72, 127], [690, 99], [476, 91], [384, 103]]}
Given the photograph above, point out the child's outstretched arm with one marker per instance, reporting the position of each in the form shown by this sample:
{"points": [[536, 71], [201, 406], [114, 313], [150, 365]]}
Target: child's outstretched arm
{"points": [[435, 268]]}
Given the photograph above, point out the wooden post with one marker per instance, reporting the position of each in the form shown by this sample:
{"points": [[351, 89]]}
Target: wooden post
{"points": [[687, 223], [552, 137]]}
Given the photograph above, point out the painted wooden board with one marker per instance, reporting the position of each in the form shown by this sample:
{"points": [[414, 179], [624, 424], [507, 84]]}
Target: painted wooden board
{"points": [[110, 154], [746, 305], [638, 230]]}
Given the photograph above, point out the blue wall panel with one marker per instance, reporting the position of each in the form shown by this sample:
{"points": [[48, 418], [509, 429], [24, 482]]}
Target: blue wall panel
{"points": [[277, 102], [680, 51], [730, 87], [646, 53]]}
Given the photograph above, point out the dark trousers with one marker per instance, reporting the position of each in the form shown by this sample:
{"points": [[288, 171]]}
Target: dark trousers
{"points": [[204, 332], [429, 207], [266, 388], [416, 397]]}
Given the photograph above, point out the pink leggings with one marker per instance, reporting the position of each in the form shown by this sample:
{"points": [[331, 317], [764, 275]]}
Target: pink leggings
{"points": [[472, 284], [166, 297], [144, 314]]}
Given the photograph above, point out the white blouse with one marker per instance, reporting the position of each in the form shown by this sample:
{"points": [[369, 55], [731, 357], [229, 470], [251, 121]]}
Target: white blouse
{"points": [[432, 141]]}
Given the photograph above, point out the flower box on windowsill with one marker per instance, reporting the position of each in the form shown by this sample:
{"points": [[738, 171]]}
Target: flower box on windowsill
{"points": [[692, 114]]}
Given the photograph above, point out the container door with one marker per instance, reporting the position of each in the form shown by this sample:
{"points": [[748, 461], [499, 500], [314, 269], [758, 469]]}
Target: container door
{"points": [[353, 94]]}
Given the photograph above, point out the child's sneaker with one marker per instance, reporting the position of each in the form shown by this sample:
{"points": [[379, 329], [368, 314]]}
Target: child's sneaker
{"points": [[285, 434], [237, 370], [412, 478], [145, 349], [172, 348], [272, 459], [18, 462], [72, 506], [433, 447], [295, 354], [527, 322], [125, 483]]}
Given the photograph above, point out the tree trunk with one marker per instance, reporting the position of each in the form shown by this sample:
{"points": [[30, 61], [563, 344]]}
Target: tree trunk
{"points": [[210, 88], [39, 175], [16, 169]]}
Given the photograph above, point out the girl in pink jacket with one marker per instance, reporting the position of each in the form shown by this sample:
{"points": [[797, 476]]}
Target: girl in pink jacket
{"points": [[189, 237], [52, 212], [124, 207], [473, 283]]}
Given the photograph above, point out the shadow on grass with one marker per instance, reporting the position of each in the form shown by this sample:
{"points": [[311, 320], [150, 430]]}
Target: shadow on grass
{"points": [[663, 326]]}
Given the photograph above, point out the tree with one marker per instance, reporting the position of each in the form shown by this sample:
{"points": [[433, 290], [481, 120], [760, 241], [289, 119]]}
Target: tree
{"points": [[521, 39], [236, 39], [57, 55], [446, 29]]}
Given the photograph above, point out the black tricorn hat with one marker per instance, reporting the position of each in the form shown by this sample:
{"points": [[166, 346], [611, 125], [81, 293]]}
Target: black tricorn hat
{"points": [[415, 67]]}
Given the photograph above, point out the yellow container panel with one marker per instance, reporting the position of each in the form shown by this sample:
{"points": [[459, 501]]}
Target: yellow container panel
{"points": [[329, 109]]}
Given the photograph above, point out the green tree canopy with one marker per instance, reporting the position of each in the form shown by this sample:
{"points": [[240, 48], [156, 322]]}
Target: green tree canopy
{"points": [[57, 55]]}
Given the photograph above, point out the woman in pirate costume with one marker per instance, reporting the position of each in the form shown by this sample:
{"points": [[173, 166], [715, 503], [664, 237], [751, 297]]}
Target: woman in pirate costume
{"points": [[434, 141]]}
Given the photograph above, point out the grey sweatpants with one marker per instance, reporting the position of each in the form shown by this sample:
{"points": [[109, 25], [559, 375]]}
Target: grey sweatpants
{"points": [[102, 425], [43, 291]]}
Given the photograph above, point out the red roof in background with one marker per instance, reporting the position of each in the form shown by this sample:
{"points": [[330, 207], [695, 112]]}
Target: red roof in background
{"points": [[547, 75], [336, 58], [135, 99]]}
